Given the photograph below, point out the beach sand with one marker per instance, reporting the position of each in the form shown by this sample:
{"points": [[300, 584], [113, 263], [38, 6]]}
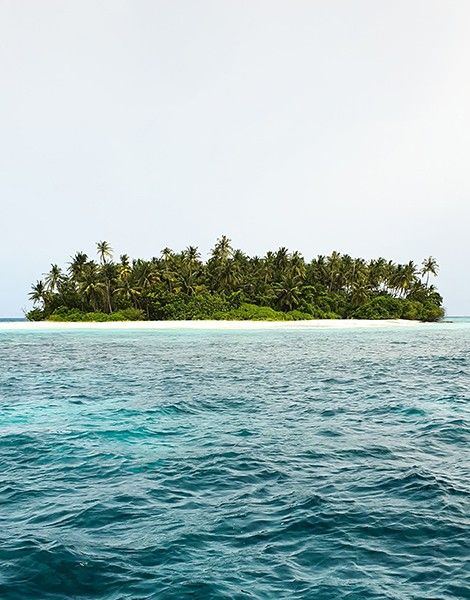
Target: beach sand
{"points": [[213, 325]]}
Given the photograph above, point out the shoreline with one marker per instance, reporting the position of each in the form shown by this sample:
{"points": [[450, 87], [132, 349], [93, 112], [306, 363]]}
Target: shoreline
{"points": [[207, 325]]}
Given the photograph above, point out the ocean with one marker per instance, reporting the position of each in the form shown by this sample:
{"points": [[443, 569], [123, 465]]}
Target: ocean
{"points": [[320, 464]]}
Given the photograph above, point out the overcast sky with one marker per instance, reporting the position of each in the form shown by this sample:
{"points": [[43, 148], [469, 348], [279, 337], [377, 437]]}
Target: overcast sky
{"points": [[340, 124]]}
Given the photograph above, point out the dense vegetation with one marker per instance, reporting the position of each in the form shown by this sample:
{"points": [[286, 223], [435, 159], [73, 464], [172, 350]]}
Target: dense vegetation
{"points": [[231, 285]]}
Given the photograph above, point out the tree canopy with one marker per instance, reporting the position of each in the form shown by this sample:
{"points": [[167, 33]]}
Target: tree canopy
{"points": [[281, 285]]}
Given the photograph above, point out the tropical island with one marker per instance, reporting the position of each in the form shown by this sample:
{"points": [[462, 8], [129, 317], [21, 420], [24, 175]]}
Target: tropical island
{"points": [[230, 285]]}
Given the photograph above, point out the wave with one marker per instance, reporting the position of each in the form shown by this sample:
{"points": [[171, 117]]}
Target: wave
{"points": [[314, 465]]}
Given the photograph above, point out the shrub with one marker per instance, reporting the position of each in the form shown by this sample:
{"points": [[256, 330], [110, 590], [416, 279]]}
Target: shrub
{"points": [[298, 315], [74, 315], [330, 315], [200, 306], [431, 312], [380, 307], [65, 314], [412, 309], [330, 302], [250, 312], [36, 314], [128, 314]]}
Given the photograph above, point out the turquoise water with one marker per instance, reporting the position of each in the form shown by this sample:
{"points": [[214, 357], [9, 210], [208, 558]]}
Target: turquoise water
{"points": [[297, 464]]}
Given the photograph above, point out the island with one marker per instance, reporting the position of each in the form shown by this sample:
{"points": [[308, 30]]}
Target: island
{"points": [[230, 285]]}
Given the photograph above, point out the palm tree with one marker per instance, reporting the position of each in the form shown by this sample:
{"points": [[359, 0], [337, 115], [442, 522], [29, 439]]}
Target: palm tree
{"points": [[38, 293], [187, 281], [281, 259], [377, 273], [429, 267], [297, 264], [289, 292], [222, 250], [145, 274], [228, 274], [127, 292], [333, 264], [124, 268], [167, 253], [104, 251], [403, 278], [54, 278], [219, 266], [360, 292], [192, 254], [77, 263], [108, 272], [190, 263], [90, 287]]}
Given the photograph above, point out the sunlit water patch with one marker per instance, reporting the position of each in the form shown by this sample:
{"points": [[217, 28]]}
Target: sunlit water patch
{"points": [[296, 464]]}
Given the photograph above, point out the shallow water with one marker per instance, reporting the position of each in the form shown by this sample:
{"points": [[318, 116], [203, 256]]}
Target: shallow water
{"points": [[297, 464]]}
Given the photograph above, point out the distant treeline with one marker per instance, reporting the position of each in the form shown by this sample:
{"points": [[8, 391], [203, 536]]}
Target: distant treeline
{"points": [[232, 285]]}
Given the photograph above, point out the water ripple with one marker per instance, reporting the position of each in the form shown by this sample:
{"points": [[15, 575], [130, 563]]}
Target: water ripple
{"points": [[246, 465]]}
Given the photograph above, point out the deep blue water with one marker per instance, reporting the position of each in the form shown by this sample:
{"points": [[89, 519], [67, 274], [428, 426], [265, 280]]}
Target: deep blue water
{"points": [[11, 319], [295, 464]]}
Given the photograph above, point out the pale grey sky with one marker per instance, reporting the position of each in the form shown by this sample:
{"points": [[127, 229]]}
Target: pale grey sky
{"points": [[340, 124]]}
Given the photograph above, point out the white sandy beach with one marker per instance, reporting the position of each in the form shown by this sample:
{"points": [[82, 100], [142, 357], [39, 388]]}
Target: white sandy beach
{"points": [[213, 325]]}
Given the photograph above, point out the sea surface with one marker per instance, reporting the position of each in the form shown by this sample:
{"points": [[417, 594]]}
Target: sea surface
{"points": [[319, 464], [12, 319]]}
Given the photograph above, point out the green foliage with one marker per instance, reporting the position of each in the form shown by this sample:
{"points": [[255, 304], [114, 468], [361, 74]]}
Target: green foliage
{"points": [[412, 309], [386, 307], [298, 315], [231, 285], [329, 315], [251, 312], [330, 302], [191, 308], [35, 314], [128, 314], [431, 312], [381, 307]]}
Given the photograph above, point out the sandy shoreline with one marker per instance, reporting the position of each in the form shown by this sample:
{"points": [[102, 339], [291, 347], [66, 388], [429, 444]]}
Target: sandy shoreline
{"points": [[212, 325]]}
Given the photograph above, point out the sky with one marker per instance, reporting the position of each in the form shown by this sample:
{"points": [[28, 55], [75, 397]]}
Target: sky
{"points": [[317, 125]]}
